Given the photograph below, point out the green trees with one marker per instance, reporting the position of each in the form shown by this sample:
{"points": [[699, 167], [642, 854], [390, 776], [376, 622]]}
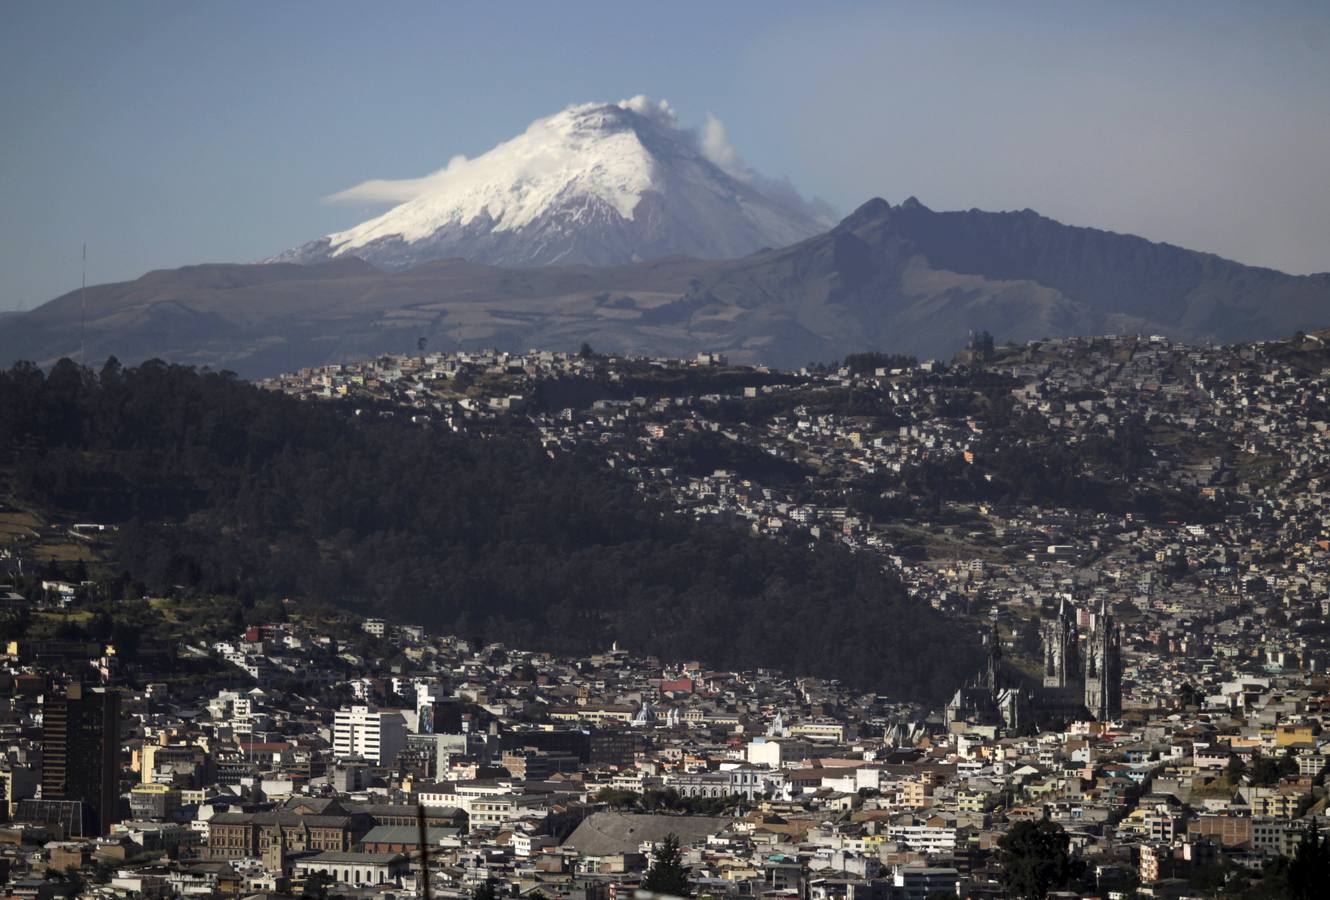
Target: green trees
{"points": [[1267, 770], [618, 798], [1309, 870], [667, 874], [1034, 859], [701, 453], [1234, 769], [316, 885], [668, 800], [224, 490]]}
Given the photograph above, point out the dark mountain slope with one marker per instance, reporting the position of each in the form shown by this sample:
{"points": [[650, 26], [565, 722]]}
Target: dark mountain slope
{"points": [[909, 279], [1113, 273], [221, 488], [900, 279]]}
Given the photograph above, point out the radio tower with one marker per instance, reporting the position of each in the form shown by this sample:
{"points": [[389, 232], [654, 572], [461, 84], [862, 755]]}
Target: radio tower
{"points": [[83, 302]]}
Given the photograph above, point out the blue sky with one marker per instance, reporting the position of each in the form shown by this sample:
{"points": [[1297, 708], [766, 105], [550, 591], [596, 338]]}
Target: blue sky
{"points": [[169, 133]]}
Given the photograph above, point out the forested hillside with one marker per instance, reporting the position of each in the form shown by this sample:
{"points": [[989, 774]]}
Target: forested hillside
{"points": [[221, 488]]}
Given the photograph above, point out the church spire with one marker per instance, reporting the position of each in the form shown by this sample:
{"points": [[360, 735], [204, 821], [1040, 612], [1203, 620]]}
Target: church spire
{"points": [[994, 673]]}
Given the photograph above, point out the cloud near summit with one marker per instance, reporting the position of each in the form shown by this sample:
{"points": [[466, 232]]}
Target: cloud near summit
{"points": [[712, 142], [396, 190]]}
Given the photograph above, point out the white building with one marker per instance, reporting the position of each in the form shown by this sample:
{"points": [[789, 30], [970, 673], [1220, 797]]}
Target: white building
{"points": [[775, 753], [375, 736], [746, 781], [355, 868], [923, 838], [489, 803]]}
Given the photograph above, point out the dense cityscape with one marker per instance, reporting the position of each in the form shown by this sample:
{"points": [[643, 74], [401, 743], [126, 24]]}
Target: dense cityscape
{"points": [[690, 451], [1149, 697]]}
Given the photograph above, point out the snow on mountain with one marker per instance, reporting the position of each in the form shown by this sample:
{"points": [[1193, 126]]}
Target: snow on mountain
{"points": [[600, 183]]}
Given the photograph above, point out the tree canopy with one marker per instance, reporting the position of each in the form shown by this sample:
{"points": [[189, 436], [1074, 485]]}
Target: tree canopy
{"points": [[223, 489], [1034, 859], [1309, 871], [667, 874]]}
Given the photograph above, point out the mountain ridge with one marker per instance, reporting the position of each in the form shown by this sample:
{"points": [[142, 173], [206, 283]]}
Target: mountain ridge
{"points": [[902, 279]]}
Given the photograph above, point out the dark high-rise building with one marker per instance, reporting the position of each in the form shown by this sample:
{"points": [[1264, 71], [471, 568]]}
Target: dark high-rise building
{"points": [[81, 753], [595, 747], [442, 716]]}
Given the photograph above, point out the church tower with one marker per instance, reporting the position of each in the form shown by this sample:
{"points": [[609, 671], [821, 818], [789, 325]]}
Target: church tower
{"points": [[992, 677], [1103, 667], [1061, 656]]}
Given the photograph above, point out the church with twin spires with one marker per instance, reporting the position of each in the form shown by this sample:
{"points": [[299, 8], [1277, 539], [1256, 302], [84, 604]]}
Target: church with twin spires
{"points": [[1095, 672], [1081, 678]]}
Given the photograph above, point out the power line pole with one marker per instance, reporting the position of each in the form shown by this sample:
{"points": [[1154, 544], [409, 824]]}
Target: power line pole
{"points": [[83, 302]]}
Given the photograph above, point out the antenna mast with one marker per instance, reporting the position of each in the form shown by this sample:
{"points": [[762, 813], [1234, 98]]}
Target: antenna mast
{"points": [[83, 301]]}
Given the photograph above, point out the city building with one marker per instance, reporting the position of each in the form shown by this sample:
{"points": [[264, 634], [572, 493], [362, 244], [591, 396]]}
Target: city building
{"points": [[376, 736], [81, 753]]}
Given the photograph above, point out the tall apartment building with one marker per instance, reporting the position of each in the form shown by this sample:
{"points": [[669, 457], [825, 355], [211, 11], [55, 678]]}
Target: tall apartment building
{"points": [[81, 753], [376, 736]]}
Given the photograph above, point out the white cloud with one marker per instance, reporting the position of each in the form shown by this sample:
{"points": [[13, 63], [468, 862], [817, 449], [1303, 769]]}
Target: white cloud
{"points": [[714, 143], [661, 113], [397, 190], [716, 147]]}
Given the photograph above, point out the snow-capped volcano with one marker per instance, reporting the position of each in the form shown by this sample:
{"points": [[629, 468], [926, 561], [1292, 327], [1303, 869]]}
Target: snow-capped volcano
{"points": [[600, 183]]}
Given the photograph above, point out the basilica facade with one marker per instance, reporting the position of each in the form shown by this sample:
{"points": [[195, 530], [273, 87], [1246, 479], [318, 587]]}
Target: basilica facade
{"points": [[1082, 678]]}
